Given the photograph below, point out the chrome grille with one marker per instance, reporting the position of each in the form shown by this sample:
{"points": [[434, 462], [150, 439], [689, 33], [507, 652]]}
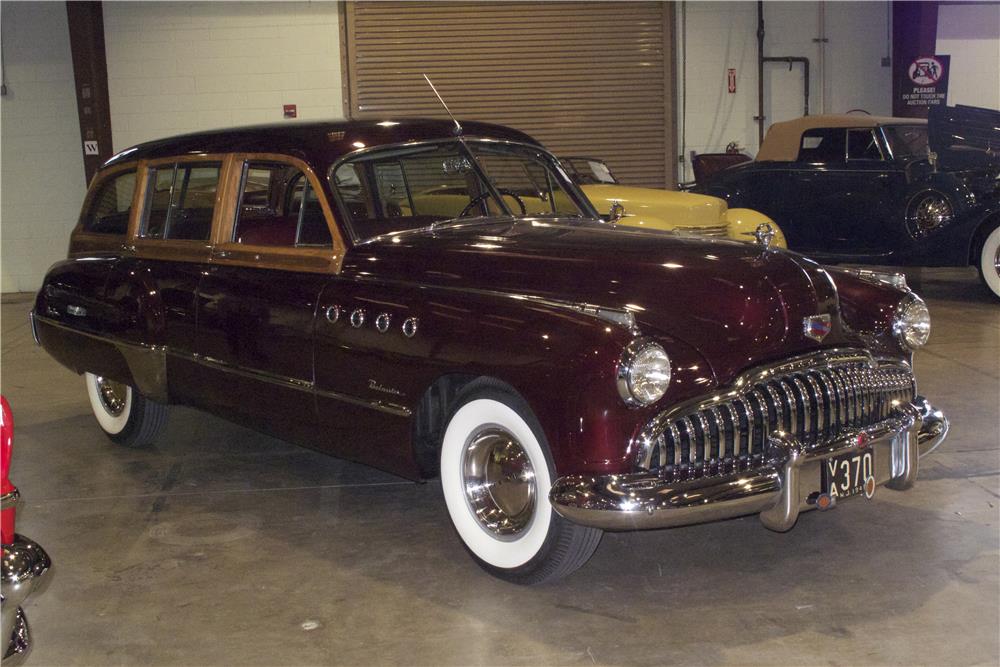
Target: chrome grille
{"points": [[814, 398], [712, 231]]}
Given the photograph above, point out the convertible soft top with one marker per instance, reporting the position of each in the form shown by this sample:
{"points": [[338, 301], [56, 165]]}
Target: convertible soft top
{"points": [[783, 139]]}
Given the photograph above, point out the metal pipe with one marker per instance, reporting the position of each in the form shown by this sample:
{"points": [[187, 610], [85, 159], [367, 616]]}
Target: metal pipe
{"points": [[760, 73]]}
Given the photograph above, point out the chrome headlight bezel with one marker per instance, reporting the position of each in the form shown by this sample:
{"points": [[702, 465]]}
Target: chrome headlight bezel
{"points": [[632, 386], [911, 323]]}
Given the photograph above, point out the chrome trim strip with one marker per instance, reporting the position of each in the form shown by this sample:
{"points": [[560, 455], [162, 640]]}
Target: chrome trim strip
{"points": [[148, 366], [778, 490], [294, 383], [34, 327]]}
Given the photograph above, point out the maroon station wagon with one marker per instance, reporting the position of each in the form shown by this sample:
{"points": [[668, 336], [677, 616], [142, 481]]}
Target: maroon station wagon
{"points": [[443, 302]]}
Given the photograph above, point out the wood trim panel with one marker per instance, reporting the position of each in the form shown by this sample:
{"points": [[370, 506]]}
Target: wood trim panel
{"points": [[85, 243], [219, 248]]}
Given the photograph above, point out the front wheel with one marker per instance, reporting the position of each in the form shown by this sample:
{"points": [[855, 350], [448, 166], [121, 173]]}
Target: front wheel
{"points": [[989, 262], [126, 416], [496, 472]]}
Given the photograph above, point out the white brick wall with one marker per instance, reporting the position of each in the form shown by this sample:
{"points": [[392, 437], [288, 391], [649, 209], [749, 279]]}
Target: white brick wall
{"points": [[42, 180], [721, 35], [970, 34], [176, 67]]}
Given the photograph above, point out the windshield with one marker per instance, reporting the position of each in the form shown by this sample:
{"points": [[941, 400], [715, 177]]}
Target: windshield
{"points": [[410, 187], [906, 140], [588, 171]]}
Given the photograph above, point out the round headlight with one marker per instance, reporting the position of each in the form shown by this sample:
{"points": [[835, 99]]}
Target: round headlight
{"points": [[912, 324], [643, 373]]}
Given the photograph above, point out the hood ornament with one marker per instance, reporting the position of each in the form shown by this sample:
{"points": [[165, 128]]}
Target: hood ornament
{"points": [[764, 235], [817, 327]]}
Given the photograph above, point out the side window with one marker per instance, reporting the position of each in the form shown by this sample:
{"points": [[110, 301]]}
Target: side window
{"points": [[110, 208], [862, 145], [278, 207], [823, 145], [180, 201]]}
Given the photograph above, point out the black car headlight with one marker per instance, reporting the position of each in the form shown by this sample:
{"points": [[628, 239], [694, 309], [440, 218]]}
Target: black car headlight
{"points": [[912, 322], [643, 373]]}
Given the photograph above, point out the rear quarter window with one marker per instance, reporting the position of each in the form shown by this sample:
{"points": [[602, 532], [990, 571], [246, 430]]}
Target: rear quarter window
{"points": [[111, 206]]}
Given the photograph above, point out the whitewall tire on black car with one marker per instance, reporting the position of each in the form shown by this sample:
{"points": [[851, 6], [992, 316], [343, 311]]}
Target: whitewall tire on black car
{"points": [[126, 416], [496, 473], [989, 261]]}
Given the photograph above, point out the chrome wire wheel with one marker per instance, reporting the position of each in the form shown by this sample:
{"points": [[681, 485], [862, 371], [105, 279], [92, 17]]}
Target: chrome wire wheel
{"points": [[927, 212], [113, 395], [499, 482]]}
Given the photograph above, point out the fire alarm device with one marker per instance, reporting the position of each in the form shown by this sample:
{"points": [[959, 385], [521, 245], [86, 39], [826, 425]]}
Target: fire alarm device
{"points": [[291, 111]]}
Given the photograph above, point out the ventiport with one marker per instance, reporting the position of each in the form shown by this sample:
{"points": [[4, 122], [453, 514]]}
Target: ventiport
{"points": [[790, 479]]}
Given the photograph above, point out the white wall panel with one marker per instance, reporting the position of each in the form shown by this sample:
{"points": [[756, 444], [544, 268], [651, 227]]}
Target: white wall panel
{"points": [[176, 67], [970, 34], [846, 74], [42, 180]]}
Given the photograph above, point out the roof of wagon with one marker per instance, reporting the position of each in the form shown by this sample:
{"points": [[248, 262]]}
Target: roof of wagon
{"points": [[782, 140], [318, 143]]}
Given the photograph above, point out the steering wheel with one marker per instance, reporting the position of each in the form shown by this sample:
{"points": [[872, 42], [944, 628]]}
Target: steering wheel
{"points": [[478, 199]]}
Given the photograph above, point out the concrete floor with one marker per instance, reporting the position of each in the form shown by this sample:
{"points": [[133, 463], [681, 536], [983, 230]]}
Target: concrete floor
{"points": [[222, 546]]}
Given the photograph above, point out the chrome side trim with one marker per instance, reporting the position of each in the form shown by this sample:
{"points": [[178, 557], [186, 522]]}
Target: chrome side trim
{"points": [[779, 489], [293, 383], [147, 364], [34, 327]]}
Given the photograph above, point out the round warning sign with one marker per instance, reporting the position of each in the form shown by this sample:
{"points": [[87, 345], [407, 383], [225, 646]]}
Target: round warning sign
{"points": [[926, 71]]}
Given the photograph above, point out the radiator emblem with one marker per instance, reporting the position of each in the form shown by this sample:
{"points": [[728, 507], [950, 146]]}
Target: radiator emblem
{"points": [[816, 326]]}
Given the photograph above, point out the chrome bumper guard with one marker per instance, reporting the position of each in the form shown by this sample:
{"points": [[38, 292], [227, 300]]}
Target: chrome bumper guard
{"points": [[24, 562], [778, 491]]}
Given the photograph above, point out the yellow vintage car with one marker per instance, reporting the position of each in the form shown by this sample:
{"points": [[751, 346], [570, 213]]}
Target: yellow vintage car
{"points": [[666, 209]]}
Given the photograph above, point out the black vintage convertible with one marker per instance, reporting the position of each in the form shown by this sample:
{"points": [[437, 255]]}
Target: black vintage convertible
{"points": [[868, 190]]}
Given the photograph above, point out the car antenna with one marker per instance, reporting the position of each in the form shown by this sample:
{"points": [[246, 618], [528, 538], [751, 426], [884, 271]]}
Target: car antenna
{"points": [[458, 126]]}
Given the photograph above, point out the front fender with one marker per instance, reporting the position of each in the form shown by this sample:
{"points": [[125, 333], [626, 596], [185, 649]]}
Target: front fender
{"points": [[743, 223]]}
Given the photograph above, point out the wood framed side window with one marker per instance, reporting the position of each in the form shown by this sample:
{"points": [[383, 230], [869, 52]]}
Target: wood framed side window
{"points": [[180, 201], [278, 206], [280, 217]]}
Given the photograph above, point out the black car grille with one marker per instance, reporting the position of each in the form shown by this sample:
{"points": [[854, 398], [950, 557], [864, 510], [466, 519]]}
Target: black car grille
{"points": [[815, 399]]}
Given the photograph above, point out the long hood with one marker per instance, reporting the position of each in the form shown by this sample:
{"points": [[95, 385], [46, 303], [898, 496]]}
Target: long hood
{"points": [[736, 304]]}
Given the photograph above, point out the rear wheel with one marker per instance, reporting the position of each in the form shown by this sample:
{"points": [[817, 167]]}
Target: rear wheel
{"points": [[989, 262], [124, 415], [496, 472]]}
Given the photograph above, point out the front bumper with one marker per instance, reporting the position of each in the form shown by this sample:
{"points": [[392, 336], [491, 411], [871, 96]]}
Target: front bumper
{"points": [[778, 491], [24, 563]]}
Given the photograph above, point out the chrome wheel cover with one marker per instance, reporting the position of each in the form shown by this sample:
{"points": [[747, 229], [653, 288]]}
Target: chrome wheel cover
{"points": [[996, 261], [927, 213], [114, 395], [499, 482]]}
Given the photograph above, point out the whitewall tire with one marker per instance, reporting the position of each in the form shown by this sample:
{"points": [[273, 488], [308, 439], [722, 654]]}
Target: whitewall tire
{"points": [[989, 262], [124, 415], [496, 473]]}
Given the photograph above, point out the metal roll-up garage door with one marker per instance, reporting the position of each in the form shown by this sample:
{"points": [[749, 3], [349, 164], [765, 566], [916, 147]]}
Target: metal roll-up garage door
{"points": [[584, 78]]}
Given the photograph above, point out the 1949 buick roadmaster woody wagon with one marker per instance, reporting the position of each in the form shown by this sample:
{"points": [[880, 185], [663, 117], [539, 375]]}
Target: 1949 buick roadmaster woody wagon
{"points": [[448, 304]]}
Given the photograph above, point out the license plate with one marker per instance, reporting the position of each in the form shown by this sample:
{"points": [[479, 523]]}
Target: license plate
{"points": [[849, 475]]}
